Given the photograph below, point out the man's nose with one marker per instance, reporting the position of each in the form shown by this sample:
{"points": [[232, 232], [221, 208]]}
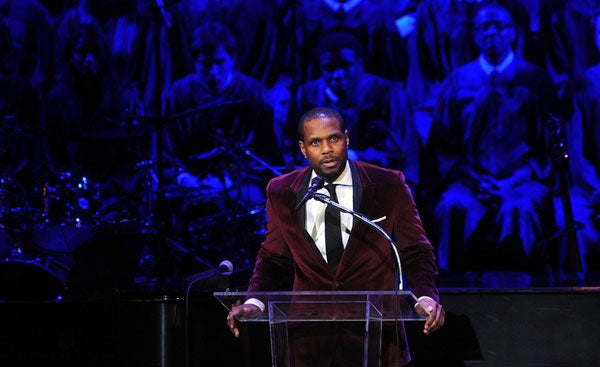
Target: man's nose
{"points": [[327, 147]]}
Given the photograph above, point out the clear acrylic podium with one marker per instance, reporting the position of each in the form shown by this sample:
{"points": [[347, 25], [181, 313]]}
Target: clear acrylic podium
{"points": [[372, 308]]}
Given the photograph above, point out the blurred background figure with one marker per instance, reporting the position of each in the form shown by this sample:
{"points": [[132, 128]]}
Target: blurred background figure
{"points": [[442, 41], [258, 28], [20, 156], [220, 148], [91, 178], [85, 110], [366, 20], [32, 35], [374, 107], [488, 137]]}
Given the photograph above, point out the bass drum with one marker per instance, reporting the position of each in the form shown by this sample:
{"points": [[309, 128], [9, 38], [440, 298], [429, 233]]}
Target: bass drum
{"points": [[39, 280]]}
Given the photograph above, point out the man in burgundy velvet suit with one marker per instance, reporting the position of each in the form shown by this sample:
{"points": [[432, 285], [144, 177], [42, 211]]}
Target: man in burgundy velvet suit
{"points": [[295, 240]]}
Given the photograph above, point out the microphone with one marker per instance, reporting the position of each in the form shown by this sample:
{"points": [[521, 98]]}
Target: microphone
{"points": [[215, 277], [316, 183], [225, 267], [225, 270]]}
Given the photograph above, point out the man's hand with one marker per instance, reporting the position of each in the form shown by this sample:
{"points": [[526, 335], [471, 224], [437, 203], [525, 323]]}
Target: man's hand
{"points": [[435, 312], [241, 310]]}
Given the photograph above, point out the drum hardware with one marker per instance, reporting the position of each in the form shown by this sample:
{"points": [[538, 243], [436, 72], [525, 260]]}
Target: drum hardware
{"points": [[37, 279], [130, 127], [16, 218], [69, 214], [234, 234]]}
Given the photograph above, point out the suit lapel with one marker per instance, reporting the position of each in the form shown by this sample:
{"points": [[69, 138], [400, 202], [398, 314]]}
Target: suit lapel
{"points": [[303, 186], [298, 188], [364, 196]]}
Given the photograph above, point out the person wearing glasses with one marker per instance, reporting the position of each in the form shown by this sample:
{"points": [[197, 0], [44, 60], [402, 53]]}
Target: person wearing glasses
{"points": [[489, 141]]}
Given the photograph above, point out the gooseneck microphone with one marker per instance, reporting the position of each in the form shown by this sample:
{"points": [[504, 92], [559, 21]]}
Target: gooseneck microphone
{"points": [[213, 277], [226, 267], [327, 200], [316, 183]]}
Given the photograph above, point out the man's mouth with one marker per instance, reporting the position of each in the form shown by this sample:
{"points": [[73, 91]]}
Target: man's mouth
{"points": [[330, 162]]}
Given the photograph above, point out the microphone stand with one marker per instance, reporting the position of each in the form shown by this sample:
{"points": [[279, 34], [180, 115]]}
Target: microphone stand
{"points": [[247, 152], [560, 155], [160, 221], [327, 200]]}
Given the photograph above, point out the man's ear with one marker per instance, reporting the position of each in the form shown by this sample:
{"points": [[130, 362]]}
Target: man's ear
{"points": [[302, 149]]}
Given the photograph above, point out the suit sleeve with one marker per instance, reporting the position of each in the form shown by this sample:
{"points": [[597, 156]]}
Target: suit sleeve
{"points": [[273, 264], [416, 252]]}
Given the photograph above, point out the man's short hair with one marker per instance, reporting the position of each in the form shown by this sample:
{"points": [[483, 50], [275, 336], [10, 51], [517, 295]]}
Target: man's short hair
{"points": [[319, 112], [337, 41], [210, 35]]}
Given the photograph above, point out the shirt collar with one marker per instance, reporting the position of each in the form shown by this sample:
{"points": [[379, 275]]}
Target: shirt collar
{"points": [[348, 5], [344, 179], [489, 68]]}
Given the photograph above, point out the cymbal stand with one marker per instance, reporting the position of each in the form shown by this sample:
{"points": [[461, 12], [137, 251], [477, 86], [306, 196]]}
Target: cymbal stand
{"points": [[159, 210], [569, 247]]}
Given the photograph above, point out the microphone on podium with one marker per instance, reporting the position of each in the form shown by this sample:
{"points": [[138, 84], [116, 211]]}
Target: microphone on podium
{"points": [[216, 277], [225, 267]]}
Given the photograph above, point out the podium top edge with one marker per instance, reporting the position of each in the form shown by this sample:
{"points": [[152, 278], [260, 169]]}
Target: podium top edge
{"points": [[310, 293]]}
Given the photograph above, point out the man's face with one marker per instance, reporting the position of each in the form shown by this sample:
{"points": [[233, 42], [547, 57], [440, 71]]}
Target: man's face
{"points": [[494, 33], [340, 70], [215, 67], [325, 146]]}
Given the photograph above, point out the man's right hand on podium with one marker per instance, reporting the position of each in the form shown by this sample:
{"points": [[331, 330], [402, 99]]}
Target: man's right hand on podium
{"points": [[246, 310]]}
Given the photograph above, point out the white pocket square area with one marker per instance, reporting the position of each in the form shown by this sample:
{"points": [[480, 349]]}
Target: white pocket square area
{"points": [[379, 219]]}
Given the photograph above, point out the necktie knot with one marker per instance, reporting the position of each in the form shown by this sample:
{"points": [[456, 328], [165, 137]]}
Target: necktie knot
{"points": [[332, 194]]}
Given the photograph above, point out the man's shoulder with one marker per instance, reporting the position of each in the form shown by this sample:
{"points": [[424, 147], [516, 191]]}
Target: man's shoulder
{"points": [[246, 80], [378, 174], [286, 180]]}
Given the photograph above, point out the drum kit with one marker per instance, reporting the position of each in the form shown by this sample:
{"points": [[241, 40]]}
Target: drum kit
{"points": [[40, 230], [41, 227]]}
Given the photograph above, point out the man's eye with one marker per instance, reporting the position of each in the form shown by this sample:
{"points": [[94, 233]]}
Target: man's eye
{"points": [[334, 138], [314, 143]]}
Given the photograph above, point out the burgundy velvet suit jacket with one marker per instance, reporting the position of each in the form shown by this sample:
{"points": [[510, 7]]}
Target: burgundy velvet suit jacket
{"points": [[367, 263]]}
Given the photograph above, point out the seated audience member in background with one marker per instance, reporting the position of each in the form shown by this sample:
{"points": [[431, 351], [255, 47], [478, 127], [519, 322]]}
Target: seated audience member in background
{"points": [[218, 112], [82, 108], [375, 109], [489, 139]]}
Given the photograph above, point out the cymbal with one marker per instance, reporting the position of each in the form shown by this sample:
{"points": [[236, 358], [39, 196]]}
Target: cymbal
{"points": [[129, 127]]}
